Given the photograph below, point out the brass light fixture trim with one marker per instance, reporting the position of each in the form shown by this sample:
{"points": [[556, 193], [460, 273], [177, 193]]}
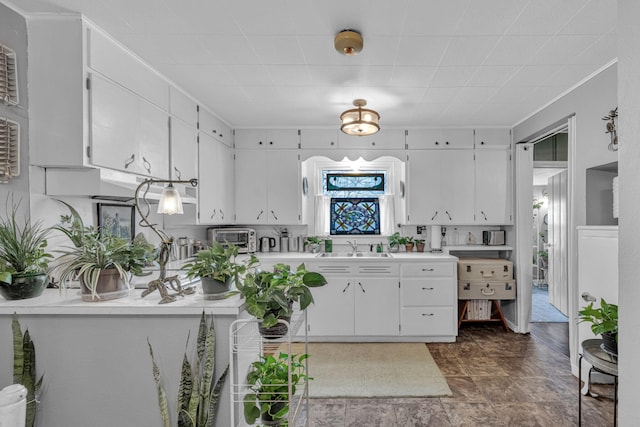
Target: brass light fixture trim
{"points": [[348, 42], [360, 121]]}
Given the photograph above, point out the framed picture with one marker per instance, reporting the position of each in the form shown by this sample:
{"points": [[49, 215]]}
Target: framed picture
{"points": [[118, 220]]}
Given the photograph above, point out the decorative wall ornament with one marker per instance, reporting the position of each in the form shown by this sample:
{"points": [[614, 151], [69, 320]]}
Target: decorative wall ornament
{"points": [[611, 129]]}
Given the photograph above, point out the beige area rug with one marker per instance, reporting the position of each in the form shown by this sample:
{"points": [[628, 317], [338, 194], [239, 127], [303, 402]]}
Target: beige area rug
{"points": [[373, 370]]}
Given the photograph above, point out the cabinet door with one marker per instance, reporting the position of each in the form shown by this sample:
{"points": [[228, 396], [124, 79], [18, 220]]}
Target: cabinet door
{"points": [[377, 306], [332, 313], [183, 107], [208, 184], [251, 176], [184, 150], [318, 139], [457, 187], [227, 189], [492, 138], [383, 139], [213, 126], [493, 202], [437, 139], [272, 138], [283, 178], [423, 187]]}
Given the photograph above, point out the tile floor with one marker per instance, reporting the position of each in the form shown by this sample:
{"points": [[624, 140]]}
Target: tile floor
{"points": [[497, 379]]}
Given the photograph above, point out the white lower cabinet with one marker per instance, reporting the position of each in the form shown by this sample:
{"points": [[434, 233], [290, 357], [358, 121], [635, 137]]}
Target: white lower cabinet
{"points": [[387, 301]]}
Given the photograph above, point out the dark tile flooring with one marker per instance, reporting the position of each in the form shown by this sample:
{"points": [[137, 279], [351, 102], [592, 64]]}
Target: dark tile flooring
{"points": [[497, 379]]}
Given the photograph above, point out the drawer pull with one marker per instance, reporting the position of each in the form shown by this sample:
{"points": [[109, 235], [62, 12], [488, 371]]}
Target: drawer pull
{"points": [[427, 314], [427, 289], [427, 269], [488, 291]]}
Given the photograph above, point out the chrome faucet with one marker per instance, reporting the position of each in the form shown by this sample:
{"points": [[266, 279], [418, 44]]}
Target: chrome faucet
{"points": [[354, 246]]}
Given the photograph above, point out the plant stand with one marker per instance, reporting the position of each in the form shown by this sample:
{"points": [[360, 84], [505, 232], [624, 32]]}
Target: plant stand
{"points": [[246, 346]]}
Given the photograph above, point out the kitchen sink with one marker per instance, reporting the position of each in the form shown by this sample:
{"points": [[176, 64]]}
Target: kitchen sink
{"points": [[352, 255]]}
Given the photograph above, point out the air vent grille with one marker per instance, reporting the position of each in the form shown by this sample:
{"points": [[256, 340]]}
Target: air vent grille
{"points": [[8, 76], [9, 150]]}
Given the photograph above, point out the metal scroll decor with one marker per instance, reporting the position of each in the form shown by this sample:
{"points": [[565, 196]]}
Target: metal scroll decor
{"points": [[611, 129]]}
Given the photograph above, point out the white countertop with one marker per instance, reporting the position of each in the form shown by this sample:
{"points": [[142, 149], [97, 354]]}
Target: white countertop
{"points": [[397, 256], [69, 302]]}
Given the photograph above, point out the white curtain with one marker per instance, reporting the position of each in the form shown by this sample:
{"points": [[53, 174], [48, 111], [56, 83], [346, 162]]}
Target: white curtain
{"points": [[387, 214]]}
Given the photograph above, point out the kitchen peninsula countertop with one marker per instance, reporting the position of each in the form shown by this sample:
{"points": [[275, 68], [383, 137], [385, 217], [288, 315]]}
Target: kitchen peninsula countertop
{"points": [[398, 256]]}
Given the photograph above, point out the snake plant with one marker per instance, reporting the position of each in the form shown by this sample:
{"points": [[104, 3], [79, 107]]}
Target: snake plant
{"points": [[197, 393], [24, 368]]}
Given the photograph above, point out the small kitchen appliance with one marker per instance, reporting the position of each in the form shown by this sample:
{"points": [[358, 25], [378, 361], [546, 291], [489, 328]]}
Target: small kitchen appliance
{"points": [[243, 238], [493, 237], [267, 244]]}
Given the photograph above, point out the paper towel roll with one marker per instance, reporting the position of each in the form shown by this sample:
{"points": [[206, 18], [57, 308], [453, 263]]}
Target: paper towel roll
{"points": [[13, 406], [436, 239]]}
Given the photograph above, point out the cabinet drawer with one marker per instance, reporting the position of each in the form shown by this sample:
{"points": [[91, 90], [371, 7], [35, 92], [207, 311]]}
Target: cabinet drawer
{"points": [[377, 270], [428, 321], [429, 269], [329, 269], [426, 292]]}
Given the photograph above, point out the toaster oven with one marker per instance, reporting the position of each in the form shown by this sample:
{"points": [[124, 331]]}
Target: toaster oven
{"points": [[493, 237], [243, 238]]}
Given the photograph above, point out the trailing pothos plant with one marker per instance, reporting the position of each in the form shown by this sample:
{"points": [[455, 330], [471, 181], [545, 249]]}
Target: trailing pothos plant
{"points": [[603, 320], [219, 263], [24, 368], [198, 391]]}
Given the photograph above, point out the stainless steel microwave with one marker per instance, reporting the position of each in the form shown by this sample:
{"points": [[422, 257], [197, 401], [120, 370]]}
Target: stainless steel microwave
{"points": [[493, 237], [244, 238]]}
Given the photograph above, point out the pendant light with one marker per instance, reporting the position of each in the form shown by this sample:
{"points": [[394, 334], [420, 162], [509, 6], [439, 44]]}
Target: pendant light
{"points": [[360, 121], [170, 201]]}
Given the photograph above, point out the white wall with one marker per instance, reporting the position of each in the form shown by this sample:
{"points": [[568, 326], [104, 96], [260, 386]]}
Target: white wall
{"points": [[629, 247]]}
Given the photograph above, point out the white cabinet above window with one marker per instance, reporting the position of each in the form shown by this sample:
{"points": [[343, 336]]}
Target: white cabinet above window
{"points": [[385, 139], [270, 138], [435, 139], [318, 139]]}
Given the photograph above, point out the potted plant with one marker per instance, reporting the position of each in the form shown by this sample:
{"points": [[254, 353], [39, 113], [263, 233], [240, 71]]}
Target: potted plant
{"points": [[419, 244], [102, 264], [314, 243], [408, 243], [270, 295], [217, 269], [268, 380], [395, 240], [23, 257], [604, 321]]}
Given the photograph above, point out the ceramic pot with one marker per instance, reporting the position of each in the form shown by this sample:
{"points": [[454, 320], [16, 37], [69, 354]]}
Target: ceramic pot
{"points": [[278, 330], [409, 247], [609, 343], [213, 289], [420, 247], [110, 286], [268, 420], [24, 286]]}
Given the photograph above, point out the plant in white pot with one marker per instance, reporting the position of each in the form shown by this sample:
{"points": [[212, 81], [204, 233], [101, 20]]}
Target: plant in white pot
{"points": [[218, 270], [102, 264], [23, 256]]}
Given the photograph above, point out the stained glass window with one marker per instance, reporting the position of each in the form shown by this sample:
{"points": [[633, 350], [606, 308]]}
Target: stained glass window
{"points": [[355, 182], [355, 216]]}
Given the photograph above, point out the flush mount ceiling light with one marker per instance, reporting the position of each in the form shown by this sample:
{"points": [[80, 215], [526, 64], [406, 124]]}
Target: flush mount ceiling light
{"points": [[348, 42], [360, 121]]}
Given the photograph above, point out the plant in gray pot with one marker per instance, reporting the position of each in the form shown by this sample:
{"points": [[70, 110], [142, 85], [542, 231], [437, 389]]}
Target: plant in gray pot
{"points": [[604, 321], [102, 264], [270, 295], [218, 270], [23, 256]]}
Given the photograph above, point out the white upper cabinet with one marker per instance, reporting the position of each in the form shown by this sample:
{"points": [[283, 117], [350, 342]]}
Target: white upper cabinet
{"points": [[213, 126], [493, 200], [385, 139], [111, 60], [215, 183], [184, 150], [492, 138], [270, 138], [318, 139], [183, 107], [420, 139]]}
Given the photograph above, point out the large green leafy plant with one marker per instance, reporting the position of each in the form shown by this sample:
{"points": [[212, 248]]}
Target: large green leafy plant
{"points": [[270, 294], [24, 368], [219, 263], [198, 393], [603, 320], [268, 380]]}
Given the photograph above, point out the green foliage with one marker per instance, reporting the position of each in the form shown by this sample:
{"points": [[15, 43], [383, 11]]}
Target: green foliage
{"points": [[24, 368], [313, 240], [22, 245], [268, 379], [543, 254], [219, 263], [198, 394], [418, 241], [396, 240], [91, 253], [603, 319], [270, 295], [408, 240]]}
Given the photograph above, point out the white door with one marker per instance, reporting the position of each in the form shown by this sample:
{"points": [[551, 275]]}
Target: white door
{"points": [[423, 186], [492, 185], [377, 306], [331, 314], [557, 225], [184, 150], [251, 186], [208, 184], [284, 192], [457, 189]]}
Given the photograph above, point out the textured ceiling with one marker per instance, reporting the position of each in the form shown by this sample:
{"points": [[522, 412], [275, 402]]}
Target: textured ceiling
{"points": [[271, 63]]}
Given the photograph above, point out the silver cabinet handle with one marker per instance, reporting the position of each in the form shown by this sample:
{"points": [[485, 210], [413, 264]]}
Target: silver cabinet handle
{"points": [[274, 215], [222, 213], [427, 289], [427, 269], [129, 161], [427, 314], [485, 217], [259, 215], [447, 212], [178, 173], [146, 164], [346, 287], [434, 216], [363, 291], [213, 214]]}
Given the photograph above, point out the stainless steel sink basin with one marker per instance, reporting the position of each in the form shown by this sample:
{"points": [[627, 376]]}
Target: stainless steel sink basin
{"points": [[352, 255]]}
